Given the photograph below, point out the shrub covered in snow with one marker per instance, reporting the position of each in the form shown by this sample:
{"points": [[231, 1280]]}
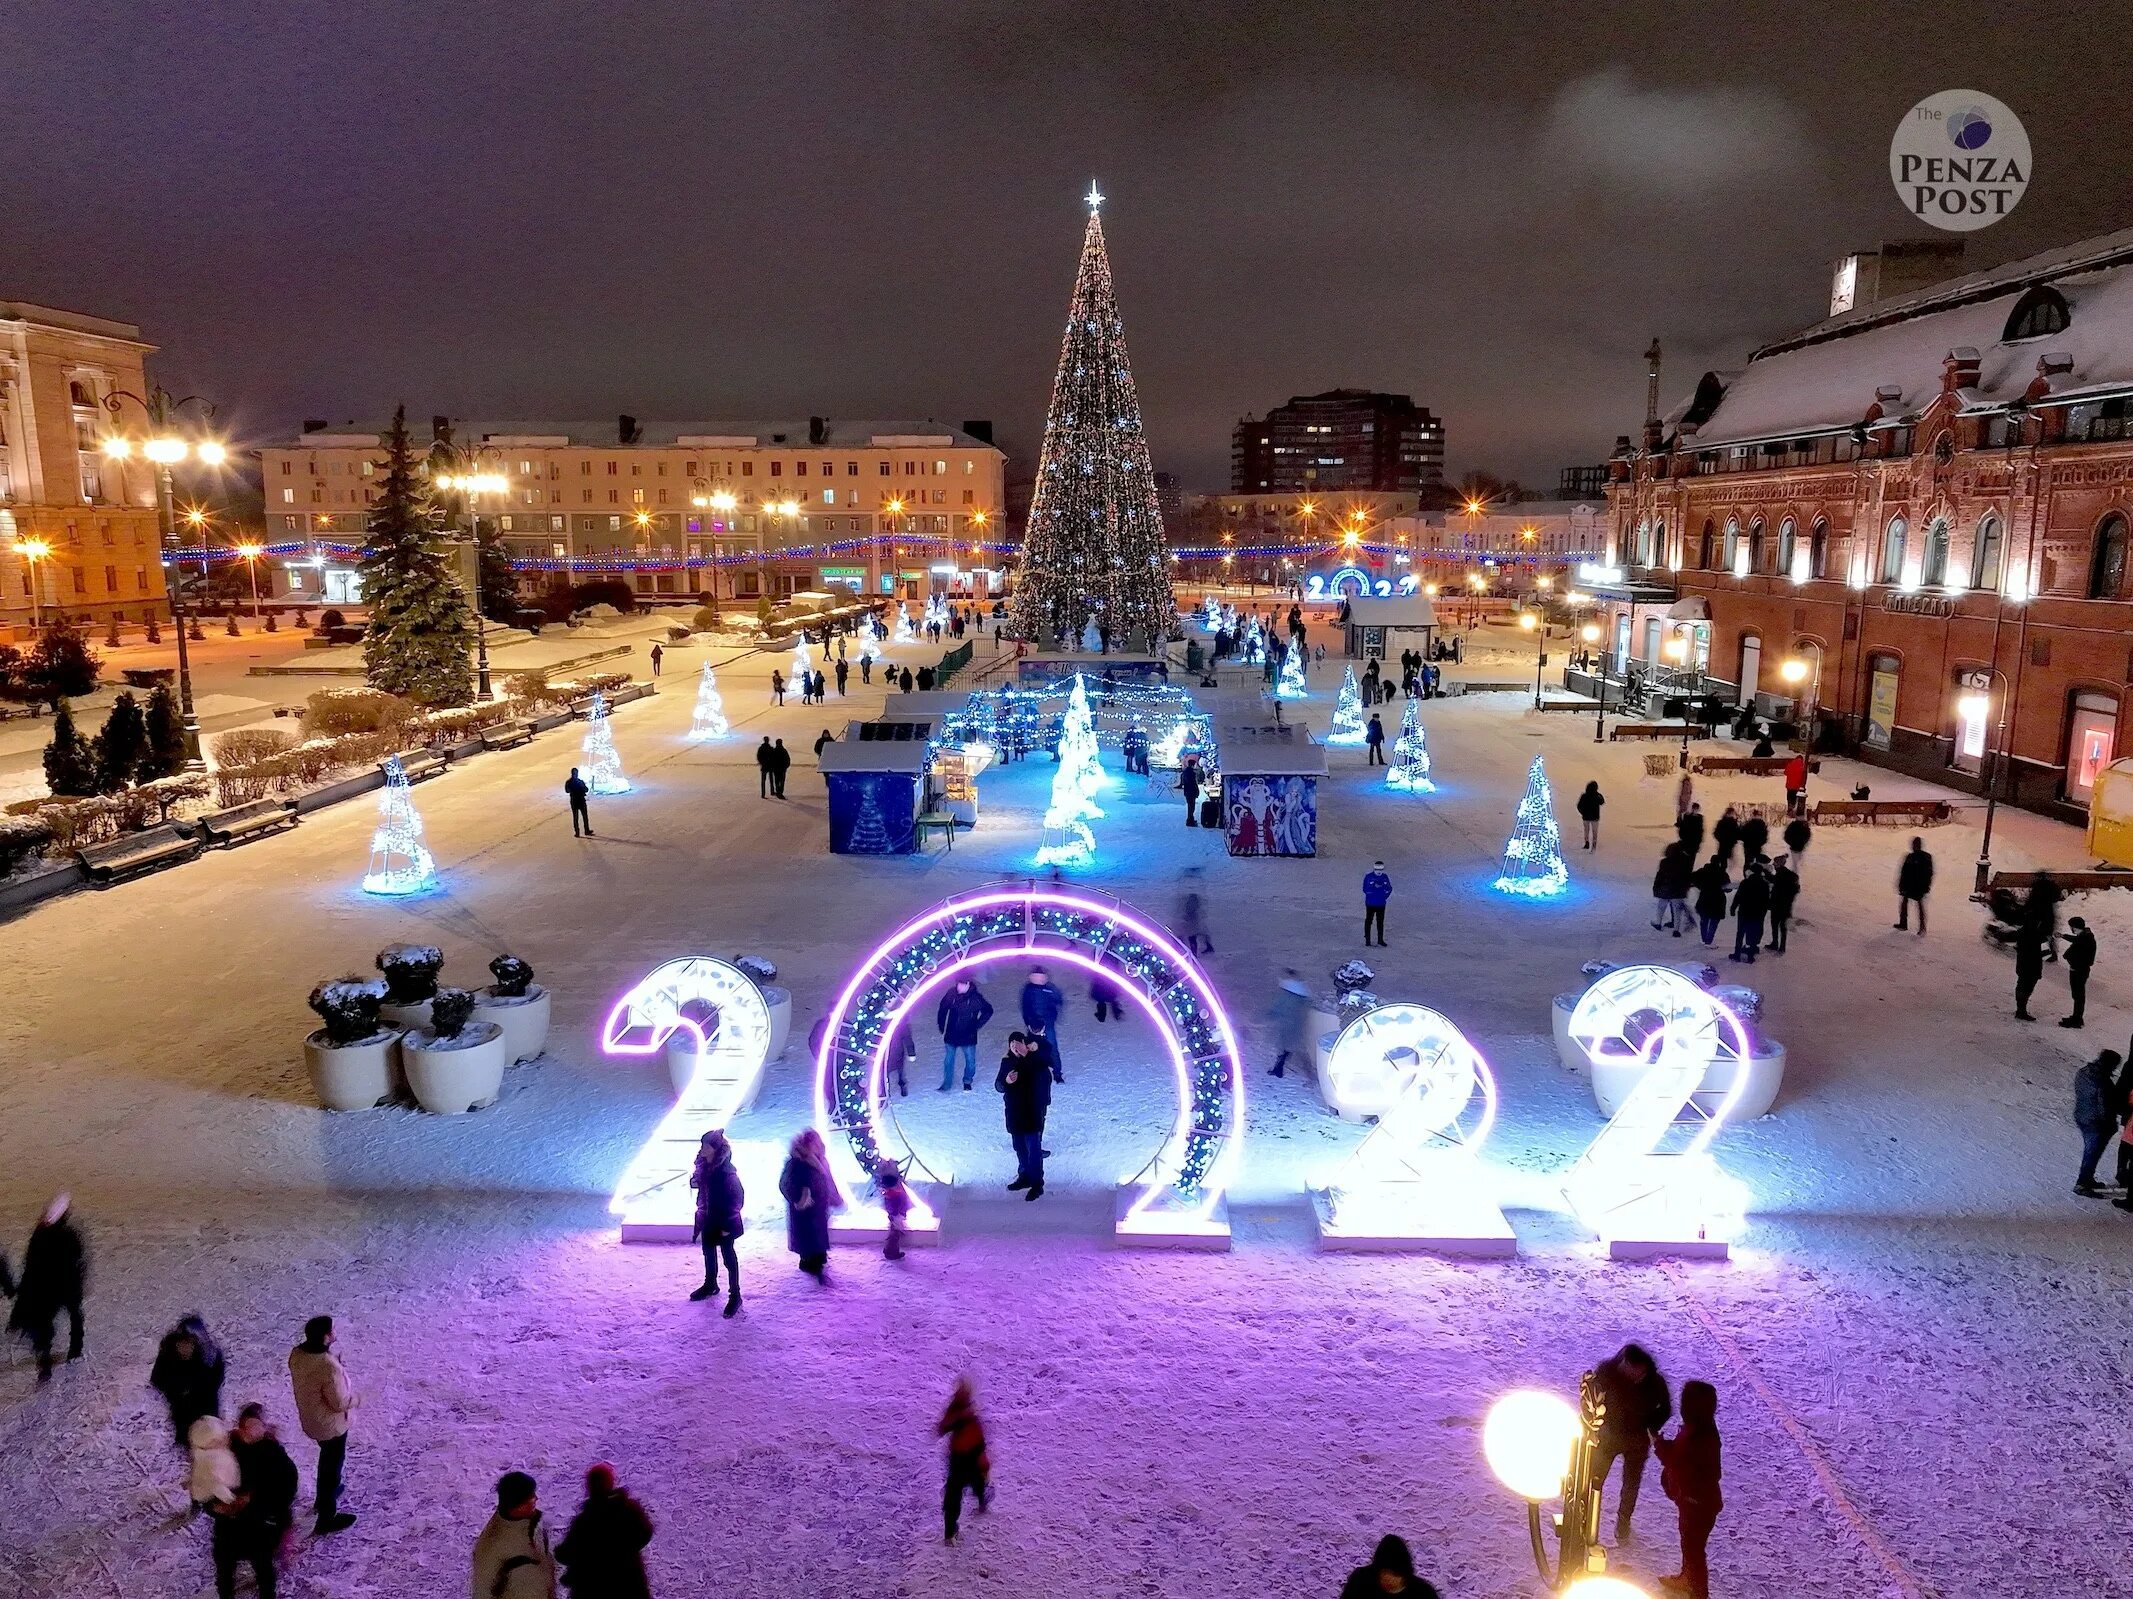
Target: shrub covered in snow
{"points": [[349, 1008], [334, 711], [1352, 974], [250, 744], [1356, 1002], [513, 976], [450, 1011], [410, 972], [758, 970]]}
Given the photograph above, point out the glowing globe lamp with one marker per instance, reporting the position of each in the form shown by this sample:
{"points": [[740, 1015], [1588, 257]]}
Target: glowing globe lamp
{"points": [[1527, 1440]]}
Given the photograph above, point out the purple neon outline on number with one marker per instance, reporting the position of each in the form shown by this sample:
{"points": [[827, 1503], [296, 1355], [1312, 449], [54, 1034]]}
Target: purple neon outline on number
{"points": [[1030, 896], [1616, 1014], [1484, 1075]]}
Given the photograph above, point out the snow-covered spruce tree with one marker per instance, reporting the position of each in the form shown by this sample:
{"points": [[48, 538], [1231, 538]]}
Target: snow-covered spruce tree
{"points": [[1094, 547], [122, 746], [417, 640], [69, 762], [166, 735]]}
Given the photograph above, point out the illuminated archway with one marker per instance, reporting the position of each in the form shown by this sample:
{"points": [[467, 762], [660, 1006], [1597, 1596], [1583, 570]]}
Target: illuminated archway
{"points": [[1181, 1196]]}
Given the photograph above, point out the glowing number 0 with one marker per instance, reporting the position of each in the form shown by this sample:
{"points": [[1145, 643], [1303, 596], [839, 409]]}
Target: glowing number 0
{"points": [[1687, 1055]]}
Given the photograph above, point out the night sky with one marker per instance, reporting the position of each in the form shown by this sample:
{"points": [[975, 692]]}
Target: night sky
{"points": [[692, 210]]}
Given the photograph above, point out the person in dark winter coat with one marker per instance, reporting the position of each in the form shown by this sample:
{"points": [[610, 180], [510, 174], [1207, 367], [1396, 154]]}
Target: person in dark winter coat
{"points": [[2096, 1116], [1589, 803], [1914, 881], [810, 1195], [1103, 993], [1725, 834], [188, 1374], [1688, 1474], [1391, 1572], [249, 1529], [1784, 894], [1711, 883], [55, 1272], [1750, 907], [1025, 1087], [903, 680], [1689, 828], [765, 759], [1798, 835], [961, 1016], [1670, 888], [602, 1555], [2080, 957], [1189, 786], [780, 764], [720, 1200], [969, 1466], [576, 790], [2029, 967], [1041, 1004], [844, 673], [1754, 838], [1291, 1015], [1377, 894], [896, 1066], [822, 740], [1374, 736], [777, 686], [1638, 1405]]}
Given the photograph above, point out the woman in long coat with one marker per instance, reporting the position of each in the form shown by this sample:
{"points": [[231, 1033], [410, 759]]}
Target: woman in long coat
{"points": [[810, 1195], [720, 1199]]}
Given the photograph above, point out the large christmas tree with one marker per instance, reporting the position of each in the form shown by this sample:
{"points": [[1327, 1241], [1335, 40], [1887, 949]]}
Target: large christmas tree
{"points": [[1094, 547], [416, 644]]}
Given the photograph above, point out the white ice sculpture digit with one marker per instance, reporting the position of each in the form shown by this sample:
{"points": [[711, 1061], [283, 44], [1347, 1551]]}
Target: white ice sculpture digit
{"points": [[1647, 1177], [718, 1009]]}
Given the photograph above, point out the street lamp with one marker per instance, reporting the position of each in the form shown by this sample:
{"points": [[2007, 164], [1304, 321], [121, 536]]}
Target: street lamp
{"points": [[251, 554], [1590, 633], [470, 486], [1531, 623], [33, 551], [1676, 650], [164, 446], [1981, 704], [1795, 671], [1540, 1446]]}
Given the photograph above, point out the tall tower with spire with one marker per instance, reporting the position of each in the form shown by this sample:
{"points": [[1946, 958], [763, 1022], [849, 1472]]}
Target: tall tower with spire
{"points": [[1094, 549]]}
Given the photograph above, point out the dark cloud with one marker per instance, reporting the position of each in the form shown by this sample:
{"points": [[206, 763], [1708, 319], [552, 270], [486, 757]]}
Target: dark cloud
{"points": [[318, 209]]}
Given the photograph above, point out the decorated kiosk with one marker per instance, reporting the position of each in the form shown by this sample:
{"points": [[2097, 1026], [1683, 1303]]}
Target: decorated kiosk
{"points": [[877, 790], [1270, 773]]}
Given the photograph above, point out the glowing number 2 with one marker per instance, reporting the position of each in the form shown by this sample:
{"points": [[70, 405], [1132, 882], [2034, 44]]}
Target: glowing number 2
{"points": [[1676, 1039]]}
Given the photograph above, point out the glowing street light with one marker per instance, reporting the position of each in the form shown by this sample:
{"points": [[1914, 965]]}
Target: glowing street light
{"points": [[251, 554], [33, 551], [1531, 623], [1540, 1446]]}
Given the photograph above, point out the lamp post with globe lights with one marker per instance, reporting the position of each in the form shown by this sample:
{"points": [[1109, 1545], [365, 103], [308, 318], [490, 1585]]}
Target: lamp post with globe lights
{"points": [[32, 551], [251, 553], [1541, 1447], [1796, 671], [163, 445], [470, 486]]}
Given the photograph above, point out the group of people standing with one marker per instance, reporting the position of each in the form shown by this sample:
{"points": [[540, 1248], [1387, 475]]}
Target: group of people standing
{"points": [[1686, 894]]}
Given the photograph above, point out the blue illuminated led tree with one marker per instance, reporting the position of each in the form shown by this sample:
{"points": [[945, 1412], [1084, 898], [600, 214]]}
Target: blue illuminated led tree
{"points": [[1409, 771], [1067, 839], [710, 721], [1533, 855], [399, 862], [1347, 727], [870, 830], [603, 764]]}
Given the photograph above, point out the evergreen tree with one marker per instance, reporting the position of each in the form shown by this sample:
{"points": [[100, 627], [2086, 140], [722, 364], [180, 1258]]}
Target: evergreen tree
{"points": [[1094, 548], [166, 735], [417, 641], [60, 666], [122, 746], [1348, 729], [69, 762], [496, 576]]}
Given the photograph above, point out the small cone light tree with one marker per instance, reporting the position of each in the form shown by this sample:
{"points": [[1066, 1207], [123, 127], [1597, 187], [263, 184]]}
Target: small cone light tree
{"points": [[1067, 839], [603, 766], [1289, 684], [1533, 855], [710, 721], [1409, 771], [399, 861], [1348, 730]]}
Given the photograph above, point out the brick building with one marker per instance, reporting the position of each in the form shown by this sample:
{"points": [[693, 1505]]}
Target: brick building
{"points": [[1923, 501]]}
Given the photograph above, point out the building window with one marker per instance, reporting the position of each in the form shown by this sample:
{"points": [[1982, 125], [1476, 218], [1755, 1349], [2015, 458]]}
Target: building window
{"points": [[2091, 734], [288, 496], [1973, 707], [1985, 560], [1731, 547], [1818, 551], [111, 580], [1788, 549], [1706, 546], [81, 580], [613, 468], [1934, 574], [2040, 312], [2107, 562], [1754, 561], [829, 496], [1892, 548], [140, 579]]}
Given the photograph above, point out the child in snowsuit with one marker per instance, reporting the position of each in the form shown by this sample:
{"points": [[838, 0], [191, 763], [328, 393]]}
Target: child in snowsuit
{"points": [[1689, 1471], [214, 1464], [896, 1200], [968, 1464]]}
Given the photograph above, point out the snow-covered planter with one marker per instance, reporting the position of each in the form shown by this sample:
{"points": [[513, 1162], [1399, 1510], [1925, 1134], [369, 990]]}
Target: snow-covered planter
{"points": [[1613, 1078], [764, 974], [410, 982], [456, 1064], [518, 1005], [351, 1059]]}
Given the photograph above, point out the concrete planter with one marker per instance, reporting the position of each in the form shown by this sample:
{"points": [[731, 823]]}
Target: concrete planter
{"points": [[524, 1020], [453, 1076], [353, 1076], [405, 1017]]}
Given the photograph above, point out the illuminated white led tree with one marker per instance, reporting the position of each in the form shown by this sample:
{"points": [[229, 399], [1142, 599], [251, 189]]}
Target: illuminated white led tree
{"points": [[803, 664], [1289, 683], [1533, 855], [1094, 548], [1347, 729], [1409, 771], [710, 720], [603, 765], [900, 632], [1211, 614], [399, 861], [1067, 839], [1254, 645]]}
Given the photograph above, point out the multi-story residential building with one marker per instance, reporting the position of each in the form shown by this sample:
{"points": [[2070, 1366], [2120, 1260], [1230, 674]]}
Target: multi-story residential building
{"points": [[77, 527], [1340, 441], [777, 506], [1921, 507]]}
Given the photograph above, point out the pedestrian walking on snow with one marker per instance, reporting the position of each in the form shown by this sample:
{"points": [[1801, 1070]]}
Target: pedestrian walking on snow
{"points": [[1784, 894], [1192, 915], [1025, 1087], [188, 1374], [1589, 804], [1104, 993], [1796, 785], [1189, 784], [1688, 1475], [512, 1557], [780, 764], [969, 1466], [658, 655], [2080, 957], [903, 680], [765, 758], [777, 686], [866, 670], [250, 1526], [844, 672], [1689, 827], [1041, 1004], [1390, 1575], [324, 1399], [810, 1195], [1684, 797], [1291, 1015], [1638, 1405], [55, 1273], [602, 1554], [1725, 833], [1377, 894], [577, 792], [1670, 889], [720, 1201], [2095, 1116], [1914, 881], [1711, 884], [1754, 838], [1374, 736], [960, 1017], [895, 1204], [823, 739], [2029, 967]]}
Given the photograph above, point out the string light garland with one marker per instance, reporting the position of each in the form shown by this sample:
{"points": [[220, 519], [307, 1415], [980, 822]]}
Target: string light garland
{"points": [[1348, 730], [1409, 771], [399, 861], [710, 719], [1533, 864]]}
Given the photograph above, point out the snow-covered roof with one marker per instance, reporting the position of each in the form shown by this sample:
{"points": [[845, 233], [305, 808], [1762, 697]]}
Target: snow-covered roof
{"points": [[1265, 749], [1830, 375], [1397, 610], [907, 755], [788, 433]]}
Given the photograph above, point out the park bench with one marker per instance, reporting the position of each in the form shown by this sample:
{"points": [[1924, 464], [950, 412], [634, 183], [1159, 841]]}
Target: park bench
{"points": [[1561, 703], [243, 821], [2080, 882], [503, 735], [416, 764], [1622, 730], [1751, 765], [1879, 813], [929, 820], [138, 852]]}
